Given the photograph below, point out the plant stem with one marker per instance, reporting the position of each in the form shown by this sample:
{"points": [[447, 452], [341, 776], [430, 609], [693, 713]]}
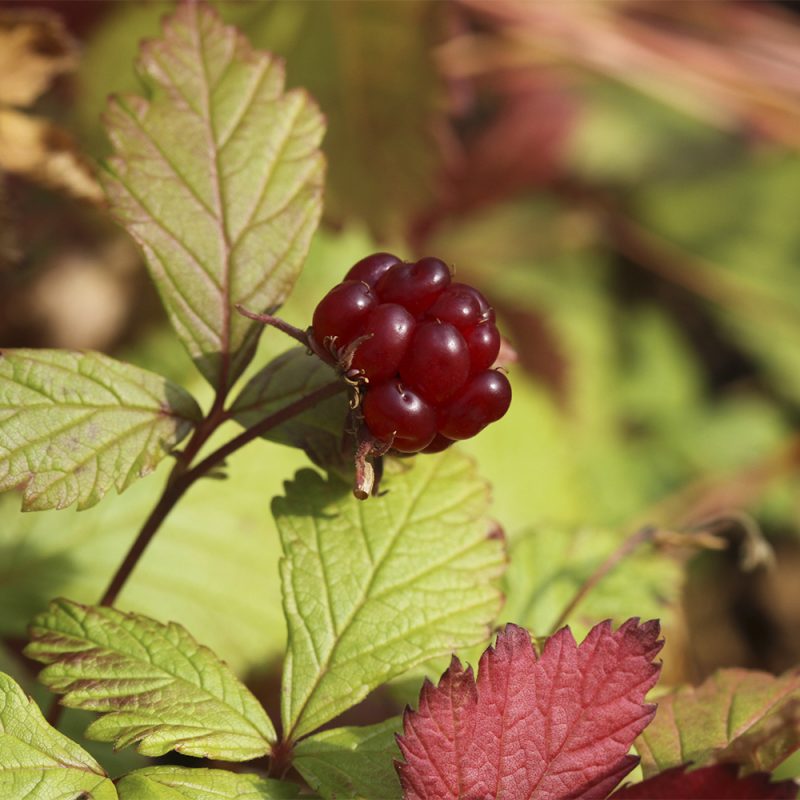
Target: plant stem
{"points": [[181, 477], [641, 536]]}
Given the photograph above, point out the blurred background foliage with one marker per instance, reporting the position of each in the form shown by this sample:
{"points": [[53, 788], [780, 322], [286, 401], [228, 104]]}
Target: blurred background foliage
{"points": [[620, 178]]}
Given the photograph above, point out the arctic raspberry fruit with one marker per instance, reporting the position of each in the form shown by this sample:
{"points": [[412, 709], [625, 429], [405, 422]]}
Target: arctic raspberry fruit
{"points": [[395, 412], [437, 363], [420, 348], [391, 328], [484, 399], [341, 314]]}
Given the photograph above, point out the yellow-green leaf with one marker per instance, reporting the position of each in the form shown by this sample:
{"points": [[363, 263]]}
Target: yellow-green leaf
{"points": [[73, 425], [218, 176], [154, 684]]}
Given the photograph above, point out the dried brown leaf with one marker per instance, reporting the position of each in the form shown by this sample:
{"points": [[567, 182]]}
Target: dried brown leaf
{"points": [[37, 149], [34, 48]]}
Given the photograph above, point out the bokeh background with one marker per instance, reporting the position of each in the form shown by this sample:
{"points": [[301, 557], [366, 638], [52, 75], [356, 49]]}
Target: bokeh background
{"points": [[621, 179]]}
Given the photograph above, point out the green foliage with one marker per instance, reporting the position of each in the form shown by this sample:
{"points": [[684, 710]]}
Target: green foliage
{"points": [[177, 783], [371, 589], [547, 566], [362, 61], [73, 425], [285, 379], [736, 715], [228, 218], [156, 687], [352, 762], [39, 763], [221, 535]]}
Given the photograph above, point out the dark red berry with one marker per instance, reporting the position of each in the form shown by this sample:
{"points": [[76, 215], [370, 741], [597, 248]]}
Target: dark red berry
{"points": [[415, 286], [483, 400], [484, 345], [343, 312], [379, 357], [458, 307], [438, 444], [487, 312], [372, 268], [391, 409], [437, 362]]}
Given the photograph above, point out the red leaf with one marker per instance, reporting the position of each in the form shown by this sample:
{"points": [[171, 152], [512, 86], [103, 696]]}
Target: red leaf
{"points": [[554, 726], [719, 781]]}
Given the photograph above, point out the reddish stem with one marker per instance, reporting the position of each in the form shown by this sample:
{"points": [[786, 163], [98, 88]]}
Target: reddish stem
{"points": [[182, 478]]}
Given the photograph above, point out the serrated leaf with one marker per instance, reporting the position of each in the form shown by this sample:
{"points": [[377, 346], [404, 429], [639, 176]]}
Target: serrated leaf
{"points": [[719, 781], [550, 726], [355, 762], [75, 424], [735, 714], [39, 763], [179, 783], [285, 379], [373, 588], [157, 688], [218, 176]]}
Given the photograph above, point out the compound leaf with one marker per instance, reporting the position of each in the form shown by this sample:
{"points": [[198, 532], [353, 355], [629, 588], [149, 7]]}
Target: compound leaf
{"points": [[353, 762], [39, 763], [156, 687], [218, 176], [180, 783], [373, 588], [738, 715], [550, 726], [74, 424]]}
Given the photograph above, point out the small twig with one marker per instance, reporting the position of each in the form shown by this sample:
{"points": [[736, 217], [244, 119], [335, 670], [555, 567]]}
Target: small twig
{"points": [[275, 322], [643, 535], [182, 478]]}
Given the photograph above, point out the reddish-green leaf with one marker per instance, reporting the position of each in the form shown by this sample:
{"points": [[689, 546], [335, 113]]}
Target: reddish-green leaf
{"points": [[550, 726], [218, 176], [736, 715], [719, 782]]}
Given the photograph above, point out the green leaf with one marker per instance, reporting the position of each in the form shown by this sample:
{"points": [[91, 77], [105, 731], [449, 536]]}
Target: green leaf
{"points": [[352, 762], [736, 714], [218, 176], [364, 62], [156, 687], [39, 763], [373, 588], [74, 424], [285, 379], [548, 565], [179, 783]]}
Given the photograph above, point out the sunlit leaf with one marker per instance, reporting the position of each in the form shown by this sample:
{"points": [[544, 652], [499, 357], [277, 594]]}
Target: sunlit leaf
{"points": [[179, 783], [373, 588], [548, 726], [157, 688], [73, 425], [740, 715], [218, 176], [352, 762], [39, 763]]}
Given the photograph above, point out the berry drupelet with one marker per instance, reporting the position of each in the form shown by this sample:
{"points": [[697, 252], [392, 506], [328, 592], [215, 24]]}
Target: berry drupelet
{"points": [[419, 346]]}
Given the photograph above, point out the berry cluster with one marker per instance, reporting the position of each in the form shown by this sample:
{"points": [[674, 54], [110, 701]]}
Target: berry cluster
{"points": [[422, 345]]}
